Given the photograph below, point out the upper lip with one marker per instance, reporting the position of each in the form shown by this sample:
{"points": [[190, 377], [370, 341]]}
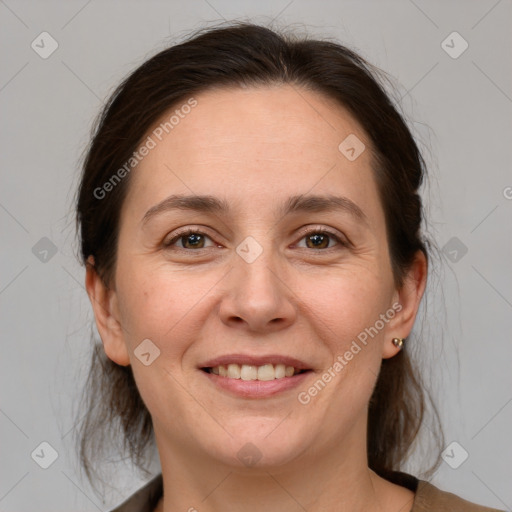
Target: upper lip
{"points": [[255, 361]]}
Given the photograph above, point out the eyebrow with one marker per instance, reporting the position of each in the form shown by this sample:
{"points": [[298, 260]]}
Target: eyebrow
{"points": [[294, 204]]}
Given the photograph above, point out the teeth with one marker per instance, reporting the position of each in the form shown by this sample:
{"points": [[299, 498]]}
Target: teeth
{"points": [[266, 372], [233, 371], [280, 370], [248, 372], [251, 372]]}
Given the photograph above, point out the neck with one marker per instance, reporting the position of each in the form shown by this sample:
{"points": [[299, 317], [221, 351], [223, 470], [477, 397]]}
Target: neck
{"points": [[323, 479]]}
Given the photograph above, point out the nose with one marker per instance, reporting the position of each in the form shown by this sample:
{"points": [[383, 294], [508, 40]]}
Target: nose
{"points": [[257, 296]]}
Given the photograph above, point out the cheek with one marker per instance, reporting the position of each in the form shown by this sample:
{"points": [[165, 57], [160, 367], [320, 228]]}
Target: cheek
{"points": [[350, 312], [346, 302], [347, 313], [162, 304], [168, 308]]}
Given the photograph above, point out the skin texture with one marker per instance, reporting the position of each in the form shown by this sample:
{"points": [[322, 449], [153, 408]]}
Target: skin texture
{"points": [[255, 147]]}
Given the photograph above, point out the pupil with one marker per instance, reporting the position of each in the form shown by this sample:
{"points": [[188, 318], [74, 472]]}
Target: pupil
{"points": [[193, 239], [317, 239]]}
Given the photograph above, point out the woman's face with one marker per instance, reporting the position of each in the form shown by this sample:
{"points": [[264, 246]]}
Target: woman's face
{"points": [[258, 281]]}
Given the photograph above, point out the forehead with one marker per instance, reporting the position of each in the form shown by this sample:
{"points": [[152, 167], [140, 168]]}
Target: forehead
{"points": [[260, 142], [270, 123]]}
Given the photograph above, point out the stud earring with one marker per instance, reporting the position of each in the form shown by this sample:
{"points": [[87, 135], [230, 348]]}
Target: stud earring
{"points": [[398, 342]]}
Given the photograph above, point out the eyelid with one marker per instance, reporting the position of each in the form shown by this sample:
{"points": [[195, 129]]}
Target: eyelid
{"points": [[312, 229], [199, 230]]}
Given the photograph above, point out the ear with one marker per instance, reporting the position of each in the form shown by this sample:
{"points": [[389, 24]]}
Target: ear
{"points": [[106, 313], [409, 297]]}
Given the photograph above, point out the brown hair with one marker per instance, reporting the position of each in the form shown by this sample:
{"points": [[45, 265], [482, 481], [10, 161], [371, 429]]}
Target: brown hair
{"points": [[244, 54]]}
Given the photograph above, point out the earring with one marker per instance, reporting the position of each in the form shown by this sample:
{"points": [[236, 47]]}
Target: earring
{"points": [[398, 342]]}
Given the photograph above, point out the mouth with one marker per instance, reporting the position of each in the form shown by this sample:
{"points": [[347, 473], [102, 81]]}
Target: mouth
{"points": [[265, 372], [255, 377]]}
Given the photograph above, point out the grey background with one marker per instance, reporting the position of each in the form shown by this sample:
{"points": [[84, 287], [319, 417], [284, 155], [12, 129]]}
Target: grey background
{"points": [[460, 109]]}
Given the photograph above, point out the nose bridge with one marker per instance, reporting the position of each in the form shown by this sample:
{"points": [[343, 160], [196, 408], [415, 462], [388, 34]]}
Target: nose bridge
{"points": [[258, 294], [256, 266]]}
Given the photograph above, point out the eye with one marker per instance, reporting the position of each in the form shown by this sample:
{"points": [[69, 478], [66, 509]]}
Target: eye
{"points": [[190, 239], [196, 239], [319, 239]]}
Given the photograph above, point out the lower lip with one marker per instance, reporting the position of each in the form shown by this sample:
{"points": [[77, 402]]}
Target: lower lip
{"points": [[256, 388]]}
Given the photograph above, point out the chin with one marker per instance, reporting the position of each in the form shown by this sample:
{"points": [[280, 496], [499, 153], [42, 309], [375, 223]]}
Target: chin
{"points": [[260, 443]]}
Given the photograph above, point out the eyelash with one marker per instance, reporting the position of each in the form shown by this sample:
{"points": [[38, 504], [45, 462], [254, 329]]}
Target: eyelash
{"points": [[314, 231]]}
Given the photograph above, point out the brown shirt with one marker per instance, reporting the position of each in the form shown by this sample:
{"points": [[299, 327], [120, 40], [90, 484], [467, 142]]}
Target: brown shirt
{"points": [[428, 498]]}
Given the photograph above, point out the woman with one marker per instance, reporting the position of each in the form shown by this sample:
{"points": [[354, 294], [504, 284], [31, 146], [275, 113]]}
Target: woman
{"points": [[250, 223]]}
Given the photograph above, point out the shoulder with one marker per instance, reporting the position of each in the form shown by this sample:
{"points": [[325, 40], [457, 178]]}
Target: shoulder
{"points": [[429, 498], [144, 499]]}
